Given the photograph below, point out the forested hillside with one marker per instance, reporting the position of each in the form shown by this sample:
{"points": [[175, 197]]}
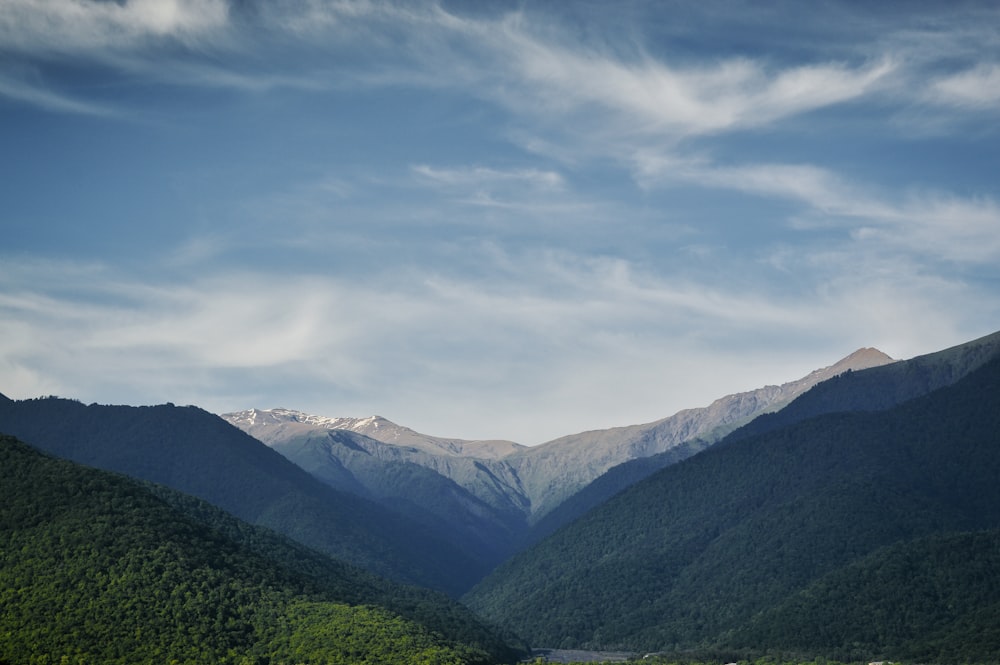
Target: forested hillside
{"points": [[690, 555], [198, 453], [932, 600], [98, 568]]}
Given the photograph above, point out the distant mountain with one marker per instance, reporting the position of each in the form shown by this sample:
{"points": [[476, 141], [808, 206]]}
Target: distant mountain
{"points": [[97, 567], [694, 553], [883, 387], [489, 492], [285, 424], [841, 387], [554, 471], [198, 453], [437, 482]]}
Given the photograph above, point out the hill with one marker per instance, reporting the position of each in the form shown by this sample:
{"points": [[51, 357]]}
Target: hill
{"points": [[690, 555], [99, 568], [198, 453]]}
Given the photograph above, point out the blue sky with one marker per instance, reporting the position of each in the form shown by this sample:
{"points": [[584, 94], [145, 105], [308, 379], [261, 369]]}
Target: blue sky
{"points": [[488, 220]]}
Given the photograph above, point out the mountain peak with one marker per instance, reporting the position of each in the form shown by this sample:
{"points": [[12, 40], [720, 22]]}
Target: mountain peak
{"points": [[863, 358], [269, 425], [869, 356]]}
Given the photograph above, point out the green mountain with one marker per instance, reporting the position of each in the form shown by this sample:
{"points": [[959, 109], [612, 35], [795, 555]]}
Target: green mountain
{"points": [[935, 599], [198, 453], [691, 555], [96, 567], [866, 384]]}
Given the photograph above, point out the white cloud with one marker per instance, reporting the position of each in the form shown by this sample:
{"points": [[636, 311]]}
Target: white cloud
{"points": [[549, 344], [945, 226], [540, 72], [479, 176], [72, 26], [975, 88]]}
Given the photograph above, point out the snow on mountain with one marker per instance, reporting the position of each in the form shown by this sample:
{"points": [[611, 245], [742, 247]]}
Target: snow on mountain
{"points": [[279, 424]]}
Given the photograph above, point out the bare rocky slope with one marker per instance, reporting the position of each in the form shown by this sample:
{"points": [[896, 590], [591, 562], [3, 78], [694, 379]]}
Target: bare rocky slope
{"points": [[500, 481]]}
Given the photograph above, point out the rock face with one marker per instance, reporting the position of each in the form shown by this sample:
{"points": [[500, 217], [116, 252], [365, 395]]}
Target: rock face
{"points": [[500, 481]]}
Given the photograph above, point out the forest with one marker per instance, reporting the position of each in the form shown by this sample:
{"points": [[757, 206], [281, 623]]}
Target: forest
{"points": [[97, 568]]}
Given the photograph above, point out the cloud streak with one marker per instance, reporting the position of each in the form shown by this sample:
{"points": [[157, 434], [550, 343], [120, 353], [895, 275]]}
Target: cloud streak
{"points": [[557, 324], [87, 26]]}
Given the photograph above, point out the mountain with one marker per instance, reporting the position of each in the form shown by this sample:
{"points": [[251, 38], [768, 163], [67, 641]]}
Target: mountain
{"points": [[554, 471], [97, 567], [840, 387], [198, 453], [459, 486], [936, 599], [692, 554], [285, 424], [883, 387], [489, 492]]}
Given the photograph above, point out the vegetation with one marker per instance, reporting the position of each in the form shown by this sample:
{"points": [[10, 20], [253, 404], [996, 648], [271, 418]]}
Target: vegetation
{"points": [[692, 554], [936, 600], [200, 454], [96, 568]]}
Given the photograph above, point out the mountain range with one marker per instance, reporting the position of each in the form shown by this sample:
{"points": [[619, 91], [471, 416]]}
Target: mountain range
{"points": [[752, 543], [851, 514], [490, 493], [196, 452]]}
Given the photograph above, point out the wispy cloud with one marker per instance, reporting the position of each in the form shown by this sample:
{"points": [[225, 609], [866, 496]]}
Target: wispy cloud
{"points": [[556, 324], [480, 176], [28, 88], [654, 97], [975, 88], [74, 26], [930, 223]]}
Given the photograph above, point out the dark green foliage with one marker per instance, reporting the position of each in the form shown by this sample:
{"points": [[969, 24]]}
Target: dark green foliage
{"points": [[606, 486], [345, 582], [936, 599], [697, 550], [198, 453], [95, 568]]}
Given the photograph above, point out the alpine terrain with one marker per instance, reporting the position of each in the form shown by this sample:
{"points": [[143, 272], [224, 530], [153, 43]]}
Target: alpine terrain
{"points": [[490, 493]]}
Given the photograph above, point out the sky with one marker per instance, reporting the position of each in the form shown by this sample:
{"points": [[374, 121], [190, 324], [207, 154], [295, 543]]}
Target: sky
{"points": [[512, 220]]}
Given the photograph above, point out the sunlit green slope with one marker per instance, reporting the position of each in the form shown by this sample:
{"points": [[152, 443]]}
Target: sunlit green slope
{"points": [[97, 568]]}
